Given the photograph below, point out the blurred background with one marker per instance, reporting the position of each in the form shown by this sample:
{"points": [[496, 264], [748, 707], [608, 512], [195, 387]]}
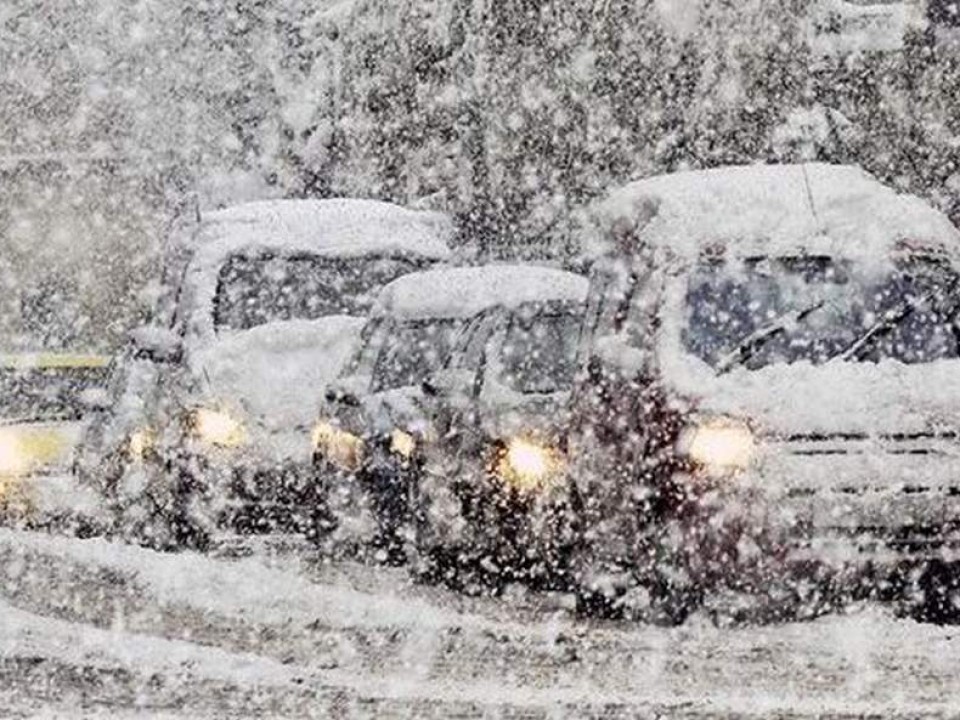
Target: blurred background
{"points": [[115, 115]]}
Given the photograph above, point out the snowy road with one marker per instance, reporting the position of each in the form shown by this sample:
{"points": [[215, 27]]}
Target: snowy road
{"points": [[89, 628]]}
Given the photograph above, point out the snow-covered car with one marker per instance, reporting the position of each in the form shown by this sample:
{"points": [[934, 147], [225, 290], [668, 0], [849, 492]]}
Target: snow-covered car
{"points": [[771, 396], [263, 303], [45, 398], [477, 500], [420, 350]]}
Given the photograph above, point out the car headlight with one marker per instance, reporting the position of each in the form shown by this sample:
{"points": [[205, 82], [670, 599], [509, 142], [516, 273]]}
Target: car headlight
{"points": [[722, 446], [527, 465], [342, 448], [402, 443], [24, 449], [215, 427], [140, 443], [13, 460]]}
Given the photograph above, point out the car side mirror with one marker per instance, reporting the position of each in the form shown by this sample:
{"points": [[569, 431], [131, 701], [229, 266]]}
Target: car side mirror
{"points": [[444, 383], [156, 343]]}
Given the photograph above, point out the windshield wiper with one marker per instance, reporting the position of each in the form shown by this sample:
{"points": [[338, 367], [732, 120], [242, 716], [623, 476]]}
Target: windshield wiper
{"points": [[890, 320], [757, 339]]}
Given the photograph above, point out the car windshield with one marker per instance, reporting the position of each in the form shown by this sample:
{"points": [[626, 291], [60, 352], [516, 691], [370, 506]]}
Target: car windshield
{"points": [[412, 351], [252, 291], [539, 350], [764, 311], [39, 394]]}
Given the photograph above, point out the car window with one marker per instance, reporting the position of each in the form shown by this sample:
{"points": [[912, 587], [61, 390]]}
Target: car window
{"points": [[412, 351], [539, 349], [814, 309], [255, 290]]}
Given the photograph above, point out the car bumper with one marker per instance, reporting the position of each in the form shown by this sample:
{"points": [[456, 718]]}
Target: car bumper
{"points": [[855, 513], [473, 516], [368, 508], [868, 503], [249, 494]]}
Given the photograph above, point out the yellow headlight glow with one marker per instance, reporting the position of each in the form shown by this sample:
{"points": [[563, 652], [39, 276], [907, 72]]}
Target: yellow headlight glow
{"points": [[343, 449], [13, 460], [140, 443], [527, 465], [722, 446], [402, 444], [25, 449], [215, 427]]}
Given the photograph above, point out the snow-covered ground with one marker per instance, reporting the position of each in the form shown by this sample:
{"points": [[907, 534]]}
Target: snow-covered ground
{"points": [[94, 629]]}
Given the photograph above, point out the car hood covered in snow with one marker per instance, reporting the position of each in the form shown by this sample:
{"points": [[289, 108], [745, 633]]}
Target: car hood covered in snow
{"points": [[838, 397], [801, 398], [276, 372]]}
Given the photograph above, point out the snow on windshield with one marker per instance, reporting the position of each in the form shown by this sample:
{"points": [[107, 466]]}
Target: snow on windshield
{"points": [[789, 309]]}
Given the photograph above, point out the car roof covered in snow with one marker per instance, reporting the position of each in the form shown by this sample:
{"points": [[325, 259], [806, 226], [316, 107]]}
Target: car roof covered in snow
{"points": [[765, 209], [343, 227], [465, 291], [336, 228]]}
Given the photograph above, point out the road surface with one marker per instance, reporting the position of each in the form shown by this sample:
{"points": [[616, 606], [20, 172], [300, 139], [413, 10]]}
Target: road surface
{"points": [[90, 628]]}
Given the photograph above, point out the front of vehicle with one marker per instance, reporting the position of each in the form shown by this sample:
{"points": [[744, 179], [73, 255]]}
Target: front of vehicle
{"points": [[272, 307], [44, 399], [821, 425], [491, 500], [379, 422], [790, 420], [374, 424]]}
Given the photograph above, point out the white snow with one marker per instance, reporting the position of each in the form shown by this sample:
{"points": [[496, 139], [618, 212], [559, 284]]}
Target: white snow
{"points": [[759, 209], [277, 371], [248, 587], [856, 397], [680, 17], [338, 228], [464, 292], [27, 634], [863, 663], [845, 28]]}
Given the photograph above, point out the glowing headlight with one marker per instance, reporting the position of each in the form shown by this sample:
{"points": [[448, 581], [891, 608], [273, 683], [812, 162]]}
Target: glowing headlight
{"points": [[215, 427], [402, 444], [24, 449], [140, 443], [343, 449], [13, 460], [527, 465], [722, 446]]}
